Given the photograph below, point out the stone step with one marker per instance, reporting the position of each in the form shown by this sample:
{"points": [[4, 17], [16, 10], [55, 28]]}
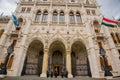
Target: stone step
{"points": [[58, 78]]}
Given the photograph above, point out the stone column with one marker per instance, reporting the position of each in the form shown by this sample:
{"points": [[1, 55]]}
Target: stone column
{"points": [[68, 63], [91, 53], [114, 53], [20, 56], [93, 59], [45, 63]]}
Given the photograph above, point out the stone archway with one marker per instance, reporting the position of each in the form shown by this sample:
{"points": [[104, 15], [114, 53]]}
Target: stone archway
{"points": [[79, 59], [34, 59], [57, 57]]}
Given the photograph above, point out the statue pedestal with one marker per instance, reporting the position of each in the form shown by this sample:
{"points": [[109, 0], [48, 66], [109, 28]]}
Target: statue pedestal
{"points": [[43, 75], [70, 76]]}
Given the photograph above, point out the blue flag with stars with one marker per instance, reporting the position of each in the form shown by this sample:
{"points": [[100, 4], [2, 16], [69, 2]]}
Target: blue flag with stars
{"points": [[15, 21]]}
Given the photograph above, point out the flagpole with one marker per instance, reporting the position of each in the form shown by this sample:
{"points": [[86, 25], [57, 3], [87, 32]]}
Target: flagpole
{"points": [[118, 29]]}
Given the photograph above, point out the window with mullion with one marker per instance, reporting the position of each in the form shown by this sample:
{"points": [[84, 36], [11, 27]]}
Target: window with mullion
{"points": [[55, 17], [37, 19], [61, 18], [45, 16], [78, 18], [72, 19]]}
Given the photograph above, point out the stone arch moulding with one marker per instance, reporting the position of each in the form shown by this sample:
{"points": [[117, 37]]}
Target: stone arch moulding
{"points": [[56, 39], [61, 45], [78, 40], [30, 40]]}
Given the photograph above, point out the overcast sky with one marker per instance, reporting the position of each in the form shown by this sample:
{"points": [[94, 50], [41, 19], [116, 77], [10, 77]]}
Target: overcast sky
{"points": [[109, 8]]}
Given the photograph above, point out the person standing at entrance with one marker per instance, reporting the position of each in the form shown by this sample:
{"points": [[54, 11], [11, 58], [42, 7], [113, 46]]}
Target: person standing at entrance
{"points": [[52, 73], [55, 73], [62, 73]]}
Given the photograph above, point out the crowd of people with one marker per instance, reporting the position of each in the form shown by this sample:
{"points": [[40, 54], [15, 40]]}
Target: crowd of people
{"points": [[55, 73]]}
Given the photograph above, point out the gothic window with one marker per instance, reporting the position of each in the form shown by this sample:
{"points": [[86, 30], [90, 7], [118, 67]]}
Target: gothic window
{"points": [[87, 2], [1, 32], [38, 15], [72, 19], [61, 18], [30, 0], [78, 17], [113, 37], [99, 44], [44, 0], [93, 12], [72, 0], [14, 42], [118, 37], [23, 9], [119, 53], [45, 16], [28, 9], [88, 12], [20, 21], [55, 17], [9, 65], [96, 26]]}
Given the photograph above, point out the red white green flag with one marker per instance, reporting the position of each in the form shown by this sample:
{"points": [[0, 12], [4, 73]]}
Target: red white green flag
{"points": [[109, 23]]}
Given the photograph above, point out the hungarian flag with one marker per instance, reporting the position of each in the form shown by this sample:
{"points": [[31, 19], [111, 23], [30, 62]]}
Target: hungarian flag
{"points": [[109, 23]]}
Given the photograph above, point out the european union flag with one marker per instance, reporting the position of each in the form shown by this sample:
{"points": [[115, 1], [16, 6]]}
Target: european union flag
{"points": [[15, 21]]}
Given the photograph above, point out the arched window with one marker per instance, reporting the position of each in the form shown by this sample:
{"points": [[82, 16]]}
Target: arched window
{"points": [[55, 17], [87, 2], [118, 37], [62, 17], [10, 62], [20, 21], [78, 17], [113, 37], [45, 16], [72, 19], [96, 26], [38, 15], [1, 32]]}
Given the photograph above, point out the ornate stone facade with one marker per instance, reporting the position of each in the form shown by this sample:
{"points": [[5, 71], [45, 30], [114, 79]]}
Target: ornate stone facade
{"points": [[59, 34]]}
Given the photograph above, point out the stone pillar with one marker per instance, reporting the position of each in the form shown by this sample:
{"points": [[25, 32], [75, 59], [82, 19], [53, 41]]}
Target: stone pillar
{"points": [[68, 63], [45, 63], [93, 59], [20, 56], [91, 53], [113, 53]]}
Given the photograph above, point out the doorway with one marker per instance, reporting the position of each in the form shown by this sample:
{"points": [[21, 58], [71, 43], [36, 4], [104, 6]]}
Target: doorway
{"points": [[79, 60], [57, 61], [56, 58], [34, 59]]}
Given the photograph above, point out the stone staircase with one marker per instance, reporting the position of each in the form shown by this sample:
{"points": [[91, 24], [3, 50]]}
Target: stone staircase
{"points": [[58, 78]]}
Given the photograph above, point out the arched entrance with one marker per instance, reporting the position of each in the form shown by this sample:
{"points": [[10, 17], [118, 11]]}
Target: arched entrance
{"points": [[57, 57], [34, 59], [79, 60]]}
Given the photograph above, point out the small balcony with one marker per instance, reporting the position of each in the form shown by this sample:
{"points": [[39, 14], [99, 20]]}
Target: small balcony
{"points": [[15, 33], [99, 36]]}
